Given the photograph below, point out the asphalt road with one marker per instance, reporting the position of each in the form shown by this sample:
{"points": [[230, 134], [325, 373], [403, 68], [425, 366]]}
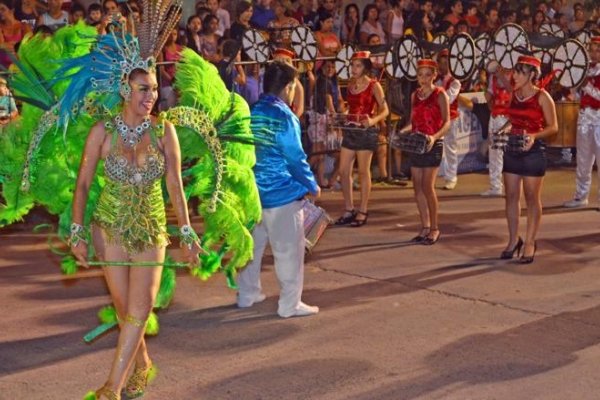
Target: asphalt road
{"points": [[397, 321]]}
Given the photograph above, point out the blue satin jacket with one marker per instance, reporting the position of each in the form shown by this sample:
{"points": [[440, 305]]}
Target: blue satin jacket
{"points": [[282, 172]]}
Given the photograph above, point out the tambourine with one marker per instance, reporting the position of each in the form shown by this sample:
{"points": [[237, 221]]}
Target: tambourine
{"points": [[517, 143], [416, 142]]}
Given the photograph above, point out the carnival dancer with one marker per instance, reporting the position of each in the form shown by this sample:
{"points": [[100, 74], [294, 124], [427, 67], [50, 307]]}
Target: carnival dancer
{"points": [[284, 179], [532, 115], [451, 86], [588, 129], [498, 96], [112, 79], [360, 139], [297, 105], [430, 116]]}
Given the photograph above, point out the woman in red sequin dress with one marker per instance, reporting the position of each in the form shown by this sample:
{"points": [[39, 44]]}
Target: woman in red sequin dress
{"points": [[533, 117], [430, 116], [360, 140]]}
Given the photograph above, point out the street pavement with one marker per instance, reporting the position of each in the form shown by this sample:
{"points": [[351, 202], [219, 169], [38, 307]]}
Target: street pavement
{"points": [[397, 321]]}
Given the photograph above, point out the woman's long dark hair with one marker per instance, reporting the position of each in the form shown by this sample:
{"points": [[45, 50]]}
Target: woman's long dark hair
{"points": [[415, 23]]}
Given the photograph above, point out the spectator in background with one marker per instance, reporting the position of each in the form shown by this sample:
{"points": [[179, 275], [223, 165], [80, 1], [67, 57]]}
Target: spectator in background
{"points": [[317, 125], [394, 27], [110, 7], [462, 27], [331, 7], [508, 16], [383, 10], [135, 8], [222, 15], [76, 13], [243, 12], [209, 40], [472, 19], [305, 15], [55, 17], [578, 18], [371, 24], [94, 14], [8, 108], [525, 22], [11, 31], [538, 19], [377, 62], [327, 41], [282, 25], [455, 14], [192, 33], [262, 14], [233, 75], [253, 88], [420, 26], [26, 12], [351, 24], [492, 21], [562, 21], [170, 53], [446, 28]]}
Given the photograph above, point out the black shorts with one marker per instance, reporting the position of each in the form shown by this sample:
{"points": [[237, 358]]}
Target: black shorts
{"points": [[530, 163], [431, 159], [361, 140]]}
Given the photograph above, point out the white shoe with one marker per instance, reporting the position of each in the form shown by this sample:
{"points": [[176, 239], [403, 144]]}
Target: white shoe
{"points": [[302, 310], [575, 203], [245, 304], [450, 185], [492, 193]]}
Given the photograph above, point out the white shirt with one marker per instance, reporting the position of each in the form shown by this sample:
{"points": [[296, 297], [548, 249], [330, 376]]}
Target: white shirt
{"points": [[224, 21]]}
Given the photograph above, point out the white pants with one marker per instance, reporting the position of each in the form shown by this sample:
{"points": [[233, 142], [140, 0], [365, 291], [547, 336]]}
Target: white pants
{"points": [[496, 156], [283, 228], [588, 151], [449, 167]]}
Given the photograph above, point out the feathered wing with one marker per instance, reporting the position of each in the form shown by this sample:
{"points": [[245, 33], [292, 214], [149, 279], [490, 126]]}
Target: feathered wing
{"points": [[213, 125]]}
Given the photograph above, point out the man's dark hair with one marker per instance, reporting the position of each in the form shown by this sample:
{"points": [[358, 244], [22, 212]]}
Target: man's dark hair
{"points": [[94, 7], [230, 48], [277, 76]]}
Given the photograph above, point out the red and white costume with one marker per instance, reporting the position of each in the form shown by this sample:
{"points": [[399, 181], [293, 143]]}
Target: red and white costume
{"points": [[426, 116], [449, 167], [588, 133], [500, 101]]}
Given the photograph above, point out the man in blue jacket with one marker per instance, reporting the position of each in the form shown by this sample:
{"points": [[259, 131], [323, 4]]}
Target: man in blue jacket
{"points": [[284, 179]]}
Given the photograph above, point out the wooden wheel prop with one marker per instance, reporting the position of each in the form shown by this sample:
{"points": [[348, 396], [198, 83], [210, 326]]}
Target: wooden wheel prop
{"points": [[508, 40], [255, 46], [304, 43], [571, 61], [545, 55], [461, 56], [583, 36], [441, 39], [483, 50], [392, 69], [548, 29], [342, 62], [407, 54]]}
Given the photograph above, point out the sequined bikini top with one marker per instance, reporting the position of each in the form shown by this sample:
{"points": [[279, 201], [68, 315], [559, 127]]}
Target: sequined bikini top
{"points": [[117, 168]]}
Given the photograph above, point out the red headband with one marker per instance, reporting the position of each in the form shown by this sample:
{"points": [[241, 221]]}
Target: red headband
{"points": [[595, 39], [427, 62], [283, 53], [359, 55], [443, 53], [530, 60]]}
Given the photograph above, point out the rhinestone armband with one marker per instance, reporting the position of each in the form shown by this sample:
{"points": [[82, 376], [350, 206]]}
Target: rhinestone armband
{"points": [[188, 236], [78, 234]]}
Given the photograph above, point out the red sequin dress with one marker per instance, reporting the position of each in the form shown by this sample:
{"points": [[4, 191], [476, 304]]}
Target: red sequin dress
{"points": [[361, 104], [426, 116]]}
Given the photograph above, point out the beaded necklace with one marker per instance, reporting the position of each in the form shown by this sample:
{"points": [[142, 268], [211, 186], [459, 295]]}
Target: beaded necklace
{"points": [[131, 136]]}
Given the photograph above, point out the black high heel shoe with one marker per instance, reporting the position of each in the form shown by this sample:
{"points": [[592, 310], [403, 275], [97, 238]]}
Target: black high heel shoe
{"points": [[529, 259], [430, 240], [420, 237], [347, 218], [509, 254], [357, 223]]}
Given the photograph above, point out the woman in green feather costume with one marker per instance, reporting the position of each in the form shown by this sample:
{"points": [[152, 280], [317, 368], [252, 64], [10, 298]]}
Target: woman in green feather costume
{"points": [[120, 169]]}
